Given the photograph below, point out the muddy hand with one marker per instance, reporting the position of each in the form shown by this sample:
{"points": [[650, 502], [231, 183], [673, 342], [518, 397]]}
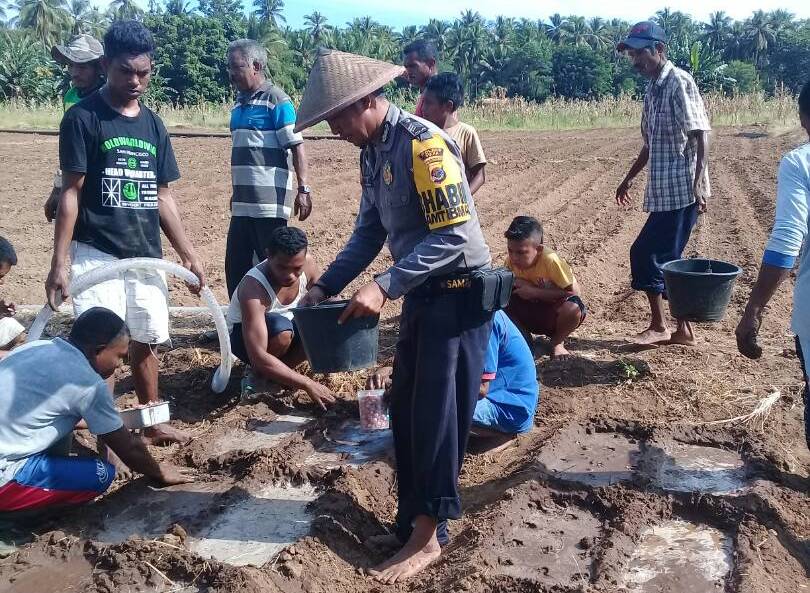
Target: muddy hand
{"points": [[320, 394], [380, 379], [56, 287], [746, 334]]}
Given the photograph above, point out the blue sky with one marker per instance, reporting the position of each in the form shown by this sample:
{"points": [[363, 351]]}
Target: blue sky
{"points": [[398, 14]]}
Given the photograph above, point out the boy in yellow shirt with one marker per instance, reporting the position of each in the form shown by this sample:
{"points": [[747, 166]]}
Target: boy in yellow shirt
{"points": [[546, 297]]}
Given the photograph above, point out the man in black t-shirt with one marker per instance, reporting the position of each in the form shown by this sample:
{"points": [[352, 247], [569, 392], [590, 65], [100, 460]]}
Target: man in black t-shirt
{"points": [[117, 162]]}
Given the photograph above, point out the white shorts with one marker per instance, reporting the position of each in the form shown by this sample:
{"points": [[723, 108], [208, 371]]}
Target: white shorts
{"points": [[10, 329], [139, 297]]}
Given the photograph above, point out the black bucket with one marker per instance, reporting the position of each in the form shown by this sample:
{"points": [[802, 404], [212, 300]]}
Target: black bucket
{"points": [[333, 348], [699, 289]]}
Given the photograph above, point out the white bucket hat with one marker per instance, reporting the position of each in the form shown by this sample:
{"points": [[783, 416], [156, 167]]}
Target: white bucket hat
{"points": [[337, 80], [79, 50]]}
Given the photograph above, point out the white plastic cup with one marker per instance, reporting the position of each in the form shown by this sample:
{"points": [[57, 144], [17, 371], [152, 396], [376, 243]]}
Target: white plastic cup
{"points": [[373, 411]]}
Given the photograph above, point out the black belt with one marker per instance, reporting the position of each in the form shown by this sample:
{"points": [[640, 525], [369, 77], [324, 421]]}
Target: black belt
{"points": [[456, 282]]}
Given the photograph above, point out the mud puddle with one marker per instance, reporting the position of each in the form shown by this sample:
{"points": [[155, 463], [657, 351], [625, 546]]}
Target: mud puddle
{"points": [[349, 444], [680, 557], [680, 467], [256, 528], [590, 458], [256, 435], [541, 540], [149, 512], [39, 573]]}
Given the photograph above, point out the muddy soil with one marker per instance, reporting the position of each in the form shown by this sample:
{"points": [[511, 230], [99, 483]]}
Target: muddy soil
{"points": [[631, 479]]}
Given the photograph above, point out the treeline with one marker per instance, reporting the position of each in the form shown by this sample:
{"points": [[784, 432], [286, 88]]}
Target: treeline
{"points": [[570, 57]]}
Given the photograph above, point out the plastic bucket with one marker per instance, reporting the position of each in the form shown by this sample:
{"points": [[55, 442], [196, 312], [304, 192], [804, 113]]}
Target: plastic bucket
{"points": [[373, 411], [333, 348], [699, 289]]}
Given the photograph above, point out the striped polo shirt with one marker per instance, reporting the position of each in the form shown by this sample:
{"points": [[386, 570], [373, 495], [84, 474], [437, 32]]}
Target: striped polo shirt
{"points": [[261, 160]]}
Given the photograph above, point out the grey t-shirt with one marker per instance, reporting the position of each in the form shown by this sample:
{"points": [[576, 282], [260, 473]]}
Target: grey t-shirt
{"points": [[46, 387]]}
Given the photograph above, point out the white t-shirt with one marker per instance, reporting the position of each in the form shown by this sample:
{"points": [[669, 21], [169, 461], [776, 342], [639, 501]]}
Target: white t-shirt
{"points": [[46, 387]]}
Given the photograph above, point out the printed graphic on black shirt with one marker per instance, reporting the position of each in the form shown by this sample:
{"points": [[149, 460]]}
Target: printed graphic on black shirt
{"points": [[131, 182]]}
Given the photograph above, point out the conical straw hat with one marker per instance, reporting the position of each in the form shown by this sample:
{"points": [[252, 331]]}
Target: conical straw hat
{"points": [[337, 80]]}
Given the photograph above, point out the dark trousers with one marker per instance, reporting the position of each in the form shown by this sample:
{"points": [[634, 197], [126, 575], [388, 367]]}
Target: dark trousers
{"points": [[437, 376], [662, 239], [806, 392], [246, 237]]}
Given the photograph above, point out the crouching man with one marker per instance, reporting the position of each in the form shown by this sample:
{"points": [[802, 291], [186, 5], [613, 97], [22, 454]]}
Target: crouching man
{"points": [[48, 387], [509, 387], [263, 333]]}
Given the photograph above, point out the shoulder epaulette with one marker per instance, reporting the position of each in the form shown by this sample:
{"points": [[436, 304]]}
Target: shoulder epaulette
{"points": [[415, 128]]}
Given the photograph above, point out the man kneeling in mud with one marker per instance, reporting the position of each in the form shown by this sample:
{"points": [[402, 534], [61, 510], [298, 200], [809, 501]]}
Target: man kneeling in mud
{"points": [[509, 387], [49, 386], [263, 334]]}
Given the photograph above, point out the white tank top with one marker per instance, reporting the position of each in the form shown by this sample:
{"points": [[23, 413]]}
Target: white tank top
{"points": [[235, 310]]}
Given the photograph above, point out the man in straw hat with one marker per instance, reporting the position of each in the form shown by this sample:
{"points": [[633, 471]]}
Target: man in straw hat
{"points": [[82, 57], [415, 195]]}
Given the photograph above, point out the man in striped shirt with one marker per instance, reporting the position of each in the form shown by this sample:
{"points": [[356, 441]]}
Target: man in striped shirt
{"points": [[265, 149]]}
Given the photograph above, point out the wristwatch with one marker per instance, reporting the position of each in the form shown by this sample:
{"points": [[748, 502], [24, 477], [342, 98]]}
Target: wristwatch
{"points": [[304, 189]]}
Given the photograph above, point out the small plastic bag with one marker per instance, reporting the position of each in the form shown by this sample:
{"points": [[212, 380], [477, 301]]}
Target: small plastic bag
{"points": [[373, 411]]}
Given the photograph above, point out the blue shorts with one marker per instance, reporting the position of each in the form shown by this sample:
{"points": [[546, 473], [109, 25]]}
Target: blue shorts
{"points": [[45, 480], [662, 239], [276, 324], [506, 419]]}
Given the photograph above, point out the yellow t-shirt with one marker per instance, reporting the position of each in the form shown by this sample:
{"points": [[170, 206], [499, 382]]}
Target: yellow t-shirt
{"points": [[472, 153], [547, 267]]}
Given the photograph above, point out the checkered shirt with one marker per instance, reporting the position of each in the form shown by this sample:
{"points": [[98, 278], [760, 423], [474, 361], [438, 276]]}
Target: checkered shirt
{"points": [[672, 108]]}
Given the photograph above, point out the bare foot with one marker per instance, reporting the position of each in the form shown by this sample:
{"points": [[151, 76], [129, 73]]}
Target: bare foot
{"points": [[560, 353], [683, 338], [164, 434], [387, 542], [651, 337], [412, 559]]}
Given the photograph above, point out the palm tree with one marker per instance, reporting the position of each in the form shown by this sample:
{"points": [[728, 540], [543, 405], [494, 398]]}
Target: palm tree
{"points": [[96, 22], [124, 9], [503, 30], [179, 7], [436, 32], [781, 21], [555, 27], [316, 26], [269, 11], [78, 11], [760, 36], [47, 18], [408, 34], [576, 32], [601, 35], [717, 30]]}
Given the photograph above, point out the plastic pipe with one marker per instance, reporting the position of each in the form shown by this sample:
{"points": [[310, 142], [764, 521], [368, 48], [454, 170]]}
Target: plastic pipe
{"points": [[112, 270]]}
